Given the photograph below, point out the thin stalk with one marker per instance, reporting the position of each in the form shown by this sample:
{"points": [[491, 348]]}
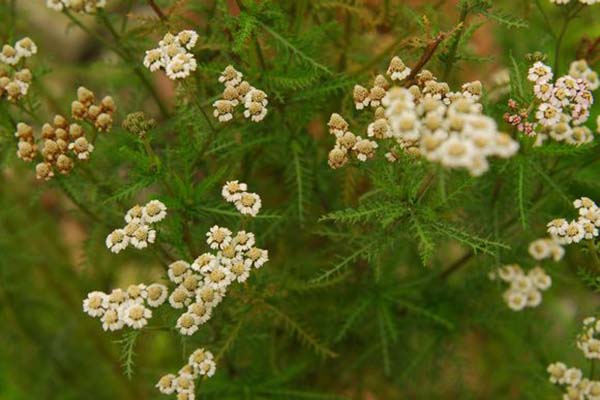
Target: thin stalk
{"points": [[571, 14], [464, 12], [157, 10]]}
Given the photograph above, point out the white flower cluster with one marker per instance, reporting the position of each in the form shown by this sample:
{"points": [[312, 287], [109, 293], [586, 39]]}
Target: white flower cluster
{"points": [[80, 6], [427, 119], [525, 289], [200, 363], [588, 2], [138, 231], [584, 227], [564, 105], [238, 91], [202, 285], [580, 69], [121, 308], [247, 203], [173, 55], [14, 83], [576, 386]]}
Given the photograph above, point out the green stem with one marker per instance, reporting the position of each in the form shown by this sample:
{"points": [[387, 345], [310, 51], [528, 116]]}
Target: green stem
{"points": [[571, 14], [464, 12], [592, 248]]}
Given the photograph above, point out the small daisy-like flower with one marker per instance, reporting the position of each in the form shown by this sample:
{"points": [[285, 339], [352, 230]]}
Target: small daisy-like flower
{"points": [[534, 297], [521, 283], [248, 204], [223, 110], [539, 278], [187, 324], [364, 148], [204, 262], [218, 277], [540, 249], [154, 211], [574, 233], [337, 124], [117, 297], [547, 114], [143, 236], [218, 237], [44, 171], [584, 204], [9, 55], [201, 311], [178, 270], [137, 293], [338, 157], [156, 294], [111, 321], [557, 372], [243, 240], [199, 356], [590, 348], [95, 304], [256, 96], [241, 269], [540, 72], [134, 214], [376, 94], [82, 148], [180, 297], [181, 66], [572, 376], [591, 390], [210, 296], [184, 384], [516, 300], [135, 315], [257, 256], [191, 282], [56, 5], [232, 190], [361, 97], [509, 272], [379, 129], [26, 47], [187, 39], [589, 228], [397, 71], [230, 76], [153, 60], [207, 367], [557, 227], [255, 111], [166, 384], [188, 371], [117, 240]]}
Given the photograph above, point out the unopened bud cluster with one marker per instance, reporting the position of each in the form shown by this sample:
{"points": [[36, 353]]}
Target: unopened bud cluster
{"points": [[78, 6], [427, 120], [99, 114], [15, 81], [138, 230], [173, 55], [137, 124], [125, 308], [200, 363], [238, 91]]}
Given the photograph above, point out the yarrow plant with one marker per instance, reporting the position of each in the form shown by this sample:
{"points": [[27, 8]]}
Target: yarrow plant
{"points": [[405, 171]]}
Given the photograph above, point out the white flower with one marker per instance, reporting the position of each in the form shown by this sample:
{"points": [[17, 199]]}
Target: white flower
{"points": [[210, 296], [521, 283], [143, 236], [181, 66], [223, 110], [539, 72], [9, 55], [258, 256], [187, 324], [230, 76], [95, 304], [574, 233], [134, 214], [509, 272], [135, 315], [218, 277], [153, 60], [243, 240], [207, 367], [166, 384], [240, 268], [590, 348], [534, 298], [218, 238], [232, 190], [557, 372], [117, 240], [547, 114], [573, 376], [184, 384], [248, 204], [557, 227], [56, 5], [540, 249], [255, 111], [397, 71], [117, 297], [111, 320], [516, 300], [187, 39], [202, 311], [154, 211], [198, 357], [204, 262], [156, 294], [180, 297], [540, 278], [26, 47], [178, 270]]}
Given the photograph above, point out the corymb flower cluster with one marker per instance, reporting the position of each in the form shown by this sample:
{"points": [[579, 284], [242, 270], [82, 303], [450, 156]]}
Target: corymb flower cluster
{"points": [[202, 285], [173, 54], [238, 91], [427, 119], [78, 6], [62, 143], [588, 2], [138, 230], [584, 227], [121, 308], [247, 203], [14, 78], [575, 385], [525, 289], [200, 363], [563, 106]]}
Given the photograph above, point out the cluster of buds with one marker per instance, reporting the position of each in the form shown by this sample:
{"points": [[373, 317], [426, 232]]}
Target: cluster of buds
{"points": [[129, 307], [78, 6], [575, 385], [101, 114], [525, 289], [427, 119], [584, 227], [173, 54], [519, 118], [138, 230], [137, 124], [563, 106], [14, 82], [202, 285], [247, 203], [238, 91], [200, 363], [346, 142], [59, 146]]}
